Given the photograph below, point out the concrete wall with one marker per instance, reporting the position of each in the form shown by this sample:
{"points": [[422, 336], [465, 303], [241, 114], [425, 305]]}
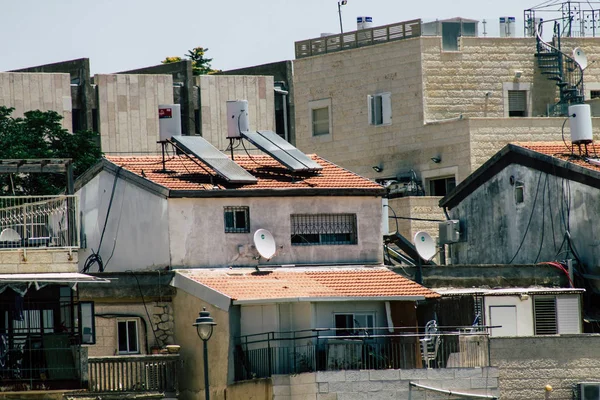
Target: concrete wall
{"points": [[28, 261], [128, 111], [216, 90], [526, 365], [138, 235], [383, 384], [37, 91], [256, 389], [197, 235]]}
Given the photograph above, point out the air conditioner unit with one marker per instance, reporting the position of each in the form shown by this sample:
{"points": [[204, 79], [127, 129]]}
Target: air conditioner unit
{"points": [[449, 231], [587, 391]]}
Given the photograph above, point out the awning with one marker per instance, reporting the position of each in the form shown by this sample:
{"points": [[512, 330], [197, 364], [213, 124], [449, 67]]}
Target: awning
{"points": [[61, 277]]}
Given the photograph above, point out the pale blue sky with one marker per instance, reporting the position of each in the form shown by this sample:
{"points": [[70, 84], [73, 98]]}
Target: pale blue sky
{"points": [[125, 34]]}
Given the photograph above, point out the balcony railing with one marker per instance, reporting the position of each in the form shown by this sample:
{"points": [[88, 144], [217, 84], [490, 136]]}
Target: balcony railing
{"points": [[145, 373], [361, 38], [263, 355], [39, 221]]}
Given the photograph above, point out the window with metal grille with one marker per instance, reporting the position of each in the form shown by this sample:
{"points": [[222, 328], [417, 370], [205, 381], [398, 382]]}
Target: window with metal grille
{"points": [[517, 103], [544, 313], [237, 219], [321, 229], [127, 336]]}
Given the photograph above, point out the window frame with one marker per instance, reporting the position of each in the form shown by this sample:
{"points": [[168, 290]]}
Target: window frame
{"points": [[517, 86], [320, 105], [83, 325], [379, 109], [446, 180], [354, 330], [310, 229], [136, 321], [538, 309], [234, 210]]}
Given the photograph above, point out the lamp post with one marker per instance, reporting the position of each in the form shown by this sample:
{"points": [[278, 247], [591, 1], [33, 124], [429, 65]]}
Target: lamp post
{"points": [[340, 4], [204, 327]]}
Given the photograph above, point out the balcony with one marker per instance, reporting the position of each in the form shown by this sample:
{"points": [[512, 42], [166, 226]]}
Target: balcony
{"points": [[329, 349]]}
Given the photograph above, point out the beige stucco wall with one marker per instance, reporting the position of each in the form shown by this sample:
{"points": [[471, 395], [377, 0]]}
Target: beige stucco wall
{"points": [[128, 111], [37, 91], [28, 261], [216, 90], [197, 235]]}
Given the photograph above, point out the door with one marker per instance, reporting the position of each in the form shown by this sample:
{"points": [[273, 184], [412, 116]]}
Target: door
{"points": [[506, 318]]}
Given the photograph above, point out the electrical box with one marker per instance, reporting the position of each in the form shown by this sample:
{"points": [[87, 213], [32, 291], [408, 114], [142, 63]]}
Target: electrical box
{"points": [[449, 231]]}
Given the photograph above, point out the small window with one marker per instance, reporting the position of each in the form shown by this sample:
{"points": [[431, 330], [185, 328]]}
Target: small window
{"points": [[127, 336], [441, 186], [323, 229], [320, 121], [519, 192], [594, 94], [353, 324], [86, 320], [237, 219], [517, 103], [544, 312], [380, 109], [76, 120]]}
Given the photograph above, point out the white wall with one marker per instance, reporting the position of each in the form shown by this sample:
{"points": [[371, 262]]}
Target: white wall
{"points": [[198, 237], [524, 310], [137, 227]]}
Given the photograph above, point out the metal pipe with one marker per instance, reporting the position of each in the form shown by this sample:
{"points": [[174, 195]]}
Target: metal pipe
{"points": [[206, 386], [452, 393]]}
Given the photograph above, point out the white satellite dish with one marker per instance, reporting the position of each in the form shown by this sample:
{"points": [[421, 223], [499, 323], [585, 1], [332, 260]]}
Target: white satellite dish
{"points": [[264, 243], [580, 57], [425, 245]]}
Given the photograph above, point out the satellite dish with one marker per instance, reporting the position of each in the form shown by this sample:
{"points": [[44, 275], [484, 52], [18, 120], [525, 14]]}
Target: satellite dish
{"points": [[264, 243], [425, 245], [9, 235], [580, 57]]}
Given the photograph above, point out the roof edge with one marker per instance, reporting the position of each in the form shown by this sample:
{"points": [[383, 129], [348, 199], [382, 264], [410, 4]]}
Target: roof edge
{"points": [[330, 299]]}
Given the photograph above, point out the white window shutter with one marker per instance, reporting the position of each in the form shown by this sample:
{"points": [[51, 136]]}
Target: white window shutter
{"points": [[370, 109], [386, 108], [568, 314]]}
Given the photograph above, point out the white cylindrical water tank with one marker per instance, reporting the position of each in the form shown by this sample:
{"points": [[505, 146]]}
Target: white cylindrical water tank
{"points": [[364, 23], [580, 122], [169, 121], [237, 118]]}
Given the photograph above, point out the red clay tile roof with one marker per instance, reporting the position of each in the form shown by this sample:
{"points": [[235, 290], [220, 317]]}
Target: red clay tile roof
{"points": [[563, 152], [245, 284], [184, 174]]}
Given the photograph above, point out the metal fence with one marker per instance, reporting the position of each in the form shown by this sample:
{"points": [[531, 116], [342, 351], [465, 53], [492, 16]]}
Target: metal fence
{"points": [[285, 353], [361, 38], [39, 221], [146, 373]]}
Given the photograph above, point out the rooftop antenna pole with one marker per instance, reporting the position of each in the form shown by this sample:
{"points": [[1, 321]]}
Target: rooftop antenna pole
{"points": [[340, 4], [484, 22]]}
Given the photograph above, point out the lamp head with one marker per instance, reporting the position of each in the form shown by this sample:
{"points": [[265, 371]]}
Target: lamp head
{"points": [[204, 325], [377, 168], [436, 159]]}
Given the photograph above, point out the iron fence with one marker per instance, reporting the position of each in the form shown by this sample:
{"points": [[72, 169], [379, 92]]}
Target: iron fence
{"points": [[39, 221]]}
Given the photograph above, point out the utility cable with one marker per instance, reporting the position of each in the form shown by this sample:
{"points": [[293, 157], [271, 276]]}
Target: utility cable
{"points": [[530, 219]]}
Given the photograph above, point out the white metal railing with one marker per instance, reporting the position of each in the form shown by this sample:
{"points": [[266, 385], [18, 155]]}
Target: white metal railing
{"points": [[39, 221]]}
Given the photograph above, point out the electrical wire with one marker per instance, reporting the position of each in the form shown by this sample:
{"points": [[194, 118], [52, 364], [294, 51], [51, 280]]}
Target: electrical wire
{"points": [[562, 129], [146, 308], [251, 158], [537, 257], [530, 219], [396, 219]]}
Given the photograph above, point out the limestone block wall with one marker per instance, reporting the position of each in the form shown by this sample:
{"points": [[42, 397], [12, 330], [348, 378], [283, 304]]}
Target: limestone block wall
{"points": [[37, 91], [527, 364], [128, 111], [383, 384], [216, 90], [29, 261], [425, 207]]}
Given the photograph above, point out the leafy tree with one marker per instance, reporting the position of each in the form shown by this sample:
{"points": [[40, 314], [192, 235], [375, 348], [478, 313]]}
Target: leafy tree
{"points": [[200, 64], [39, 134]]}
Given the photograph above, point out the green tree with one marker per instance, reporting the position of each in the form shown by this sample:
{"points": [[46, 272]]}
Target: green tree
{"points": [[39, 134], [200, 64]]}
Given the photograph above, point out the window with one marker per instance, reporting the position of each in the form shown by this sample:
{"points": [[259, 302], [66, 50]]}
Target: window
{"points": [[354, 324], [517, 103], [544, 312], [556, 314], [127, 336], [380, 109], [320, 117], [237, 219], [322, 229], [88, 328], [519, 192], [441, 186], [594, 94]]}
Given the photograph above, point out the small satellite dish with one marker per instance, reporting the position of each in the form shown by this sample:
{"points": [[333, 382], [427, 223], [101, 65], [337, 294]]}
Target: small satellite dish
{"points": [[265, 243], [425, 245], [9, 235], [580, 57]]}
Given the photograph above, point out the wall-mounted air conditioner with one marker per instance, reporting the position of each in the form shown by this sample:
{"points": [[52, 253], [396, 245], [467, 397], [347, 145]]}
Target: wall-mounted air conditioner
{"points": [[449, 231], [587, 391]]}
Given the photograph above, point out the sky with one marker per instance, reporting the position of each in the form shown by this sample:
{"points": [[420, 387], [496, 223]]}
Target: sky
{"points": [[118, 35]]}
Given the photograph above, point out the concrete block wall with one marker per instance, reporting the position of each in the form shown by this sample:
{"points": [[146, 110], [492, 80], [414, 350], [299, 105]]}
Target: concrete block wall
{"points": [[37, 91], [383, 384], [128, 111], [216, 90], [527, 364], [29, 261]]}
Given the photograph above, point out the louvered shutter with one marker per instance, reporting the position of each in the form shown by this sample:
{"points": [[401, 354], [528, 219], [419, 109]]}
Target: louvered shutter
{"points": [[545, 315], [517, 102], [568, 314]]}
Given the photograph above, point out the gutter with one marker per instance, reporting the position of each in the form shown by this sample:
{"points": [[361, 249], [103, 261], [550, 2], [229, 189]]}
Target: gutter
{"points": [[327, 299], [452, 393]]}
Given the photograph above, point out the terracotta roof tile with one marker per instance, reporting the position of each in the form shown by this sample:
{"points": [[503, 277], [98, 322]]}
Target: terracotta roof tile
{"points": [[563, 152], [288, 283], [185, 174]]}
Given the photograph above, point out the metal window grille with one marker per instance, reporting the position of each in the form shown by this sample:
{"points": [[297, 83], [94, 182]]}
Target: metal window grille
{"points": [[323, 229], [545, 315], [237, 219]]}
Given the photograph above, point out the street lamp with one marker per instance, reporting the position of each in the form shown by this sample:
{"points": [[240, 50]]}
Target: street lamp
{"points": [[204, 327], [340, 4]]}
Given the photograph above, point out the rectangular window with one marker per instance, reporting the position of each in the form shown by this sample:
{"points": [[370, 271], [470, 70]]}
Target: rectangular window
{"points": [[594, 94], [380, 109], [323, 229], [86, 321], [237, 219], [352, 324], [320, 121], [442, 186], [127, 337], [544, 313], [517, 103]]}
